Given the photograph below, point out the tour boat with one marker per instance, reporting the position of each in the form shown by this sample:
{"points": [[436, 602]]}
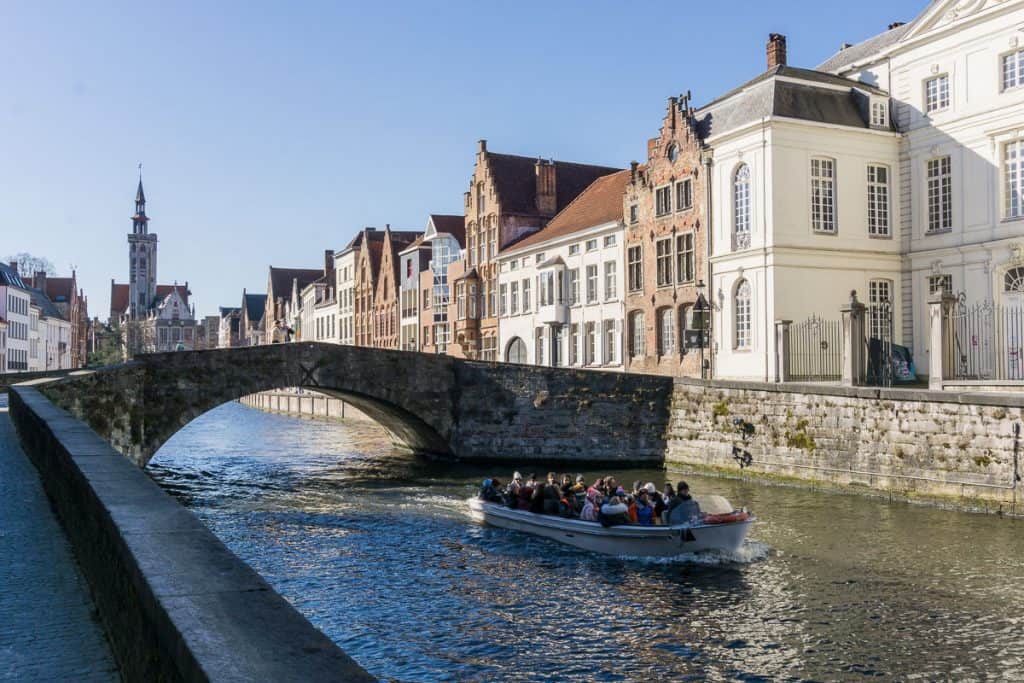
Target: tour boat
{"points": [[724, 530]]}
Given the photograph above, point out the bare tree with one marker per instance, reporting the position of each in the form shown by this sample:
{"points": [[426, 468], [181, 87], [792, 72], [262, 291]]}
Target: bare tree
{"points": [[29, 265]]}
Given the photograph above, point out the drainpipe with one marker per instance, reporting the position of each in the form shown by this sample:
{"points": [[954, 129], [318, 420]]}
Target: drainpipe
{"points": [[764, 238], [708, 236]]}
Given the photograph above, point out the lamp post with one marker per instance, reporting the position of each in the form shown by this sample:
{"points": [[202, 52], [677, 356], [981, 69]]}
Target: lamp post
{"points": [[701, 307]]}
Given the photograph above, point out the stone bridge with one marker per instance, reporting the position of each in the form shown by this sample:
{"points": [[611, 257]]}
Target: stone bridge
{"points": [[430, 404], [9, 378]]}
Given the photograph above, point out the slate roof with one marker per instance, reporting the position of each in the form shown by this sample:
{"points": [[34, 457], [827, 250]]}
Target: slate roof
{"points": [[255, 304], [600, 203], [864, 49], [281, 279], [229, 310], [10, 277], [515, 179], [767, 95], [453, 225], [46, 307]]}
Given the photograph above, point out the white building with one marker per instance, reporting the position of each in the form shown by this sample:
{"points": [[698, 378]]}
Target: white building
{"points": [[561, 290], [345, 262], [318, 312], [956, 76], [412, 261], [15, 305], [423, 285], [803, 175], [3, 346], [50, 340]]}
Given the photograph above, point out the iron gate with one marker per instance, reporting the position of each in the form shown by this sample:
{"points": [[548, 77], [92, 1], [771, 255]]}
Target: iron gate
{"points": [[879, 344], [988, 340], [816, 350]]}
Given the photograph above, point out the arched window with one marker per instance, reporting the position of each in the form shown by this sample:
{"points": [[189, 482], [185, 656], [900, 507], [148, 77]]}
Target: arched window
{"points": [[637, 345], [741, 207], [666, 332], [742, 312], [516, 350], [1013, 281]]}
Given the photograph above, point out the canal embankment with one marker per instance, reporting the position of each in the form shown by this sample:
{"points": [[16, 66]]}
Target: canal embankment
{"points": [[175, 602], [957, 449]]}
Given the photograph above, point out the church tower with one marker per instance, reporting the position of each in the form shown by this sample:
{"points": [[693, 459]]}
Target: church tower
{"points": [[141, 260]]}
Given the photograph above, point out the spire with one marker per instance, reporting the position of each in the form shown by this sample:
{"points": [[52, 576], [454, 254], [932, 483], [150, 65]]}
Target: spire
{"points": [[139, 220]]}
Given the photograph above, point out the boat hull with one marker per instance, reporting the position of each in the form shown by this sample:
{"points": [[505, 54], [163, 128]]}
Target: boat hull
{"points": [[625, 540]]}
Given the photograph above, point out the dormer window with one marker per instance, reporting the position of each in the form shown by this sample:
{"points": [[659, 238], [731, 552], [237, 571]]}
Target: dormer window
{"points": [[879, 114]]}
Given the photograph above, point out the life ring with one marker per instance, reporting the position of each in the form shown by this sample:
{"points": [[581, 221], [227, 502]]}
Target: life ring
{"points": [[727, 517]]}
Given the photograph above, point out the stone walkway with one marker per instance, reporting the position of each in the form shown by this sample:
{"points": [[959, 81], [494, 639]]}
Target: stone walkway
{"points": [[48, 627]]}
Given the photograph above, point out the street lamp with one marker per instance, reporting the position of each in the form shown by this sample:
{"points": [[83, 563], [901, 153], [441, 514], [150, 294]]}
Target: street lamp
{"points": [[701, 307]]}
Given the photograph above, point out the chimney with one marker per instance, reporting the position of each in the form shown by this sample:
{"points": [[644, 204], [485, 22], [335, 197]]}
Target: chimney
{"points": [[39, 280], [481, 145], [14, 266], [547, 203], [632, 170], [328, 261], [896, 24], [776, 50]]}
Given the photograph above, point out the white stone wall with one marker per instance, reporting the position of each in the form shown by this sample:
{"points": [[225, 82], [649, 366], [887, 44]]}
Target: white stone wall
{"points": [[345, 269]]}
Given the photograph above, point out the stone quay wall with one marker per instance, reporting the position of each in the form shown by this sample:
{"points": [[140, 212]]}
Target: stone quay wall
{"points": [[176, 604], [960, 449], [303, 403]]}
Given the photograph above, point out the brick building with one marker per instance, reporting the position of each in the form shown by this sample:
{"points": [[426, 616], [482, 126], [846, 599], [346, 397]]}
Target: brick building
{"points": [[375, 310], [283, 286], [73, 306], [664, 208], [509, 197]]}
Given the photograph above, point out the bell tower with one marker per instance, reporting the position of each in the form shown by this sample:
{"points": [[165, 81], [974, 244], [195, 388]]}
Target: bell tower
{"points": [[141, 259]]}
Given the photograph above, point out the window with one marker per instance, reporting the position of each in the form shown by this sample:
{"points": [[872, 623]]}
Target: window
{"points": [[1013, 70], [684, 195], [823, 195], [539, 258], [591, 283], [879, 301], [514, 298], [504, 299], [574, 249], [591, 245], [684, 258], [538, 345], [666, 332], [878, 201], [515, 352], [1013, 174], [673, 152], [426, 299], [663, 252], [460, 298], [513, 265], [590, 340], [634, 213], [574, 340], [526, 296], [635, 265], [940, 194], [879, 114], [742, 313], [546, 288], [480, 199], [470, 252], [609, 240], [493, 248], [663, 200], [492, 295], [472, 302], [940, 284], [609, 341], [1013, 280], [574, 286], [609, 280], [936, 93], [557, 334], [741, 208]]}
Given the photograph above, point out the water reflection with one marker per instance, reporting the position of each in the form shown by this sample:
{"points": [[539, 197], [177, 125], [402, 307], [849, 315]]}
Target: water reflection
{"points": [[375, 548]]}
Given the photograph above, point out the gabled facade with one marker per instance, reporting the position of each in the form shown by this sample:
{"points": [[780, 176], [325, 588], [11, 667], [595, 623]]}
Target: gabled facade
{"points": [[445, 235], [73, 306], [283, 286], [385, 307], [229, 328], [509, 197], [665, 251], [412, 261], [956, 76], [251, 327]]}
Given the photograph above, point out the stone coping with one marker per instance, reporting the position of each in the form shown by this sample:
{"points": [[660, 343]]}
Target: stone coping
{"points": [[176, 603], [980, 398]]}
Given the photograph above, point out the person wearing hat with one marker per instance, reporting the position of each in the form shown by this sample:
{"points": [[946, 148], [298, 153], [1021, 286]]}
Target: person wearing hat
{"points": [[682, 507]]}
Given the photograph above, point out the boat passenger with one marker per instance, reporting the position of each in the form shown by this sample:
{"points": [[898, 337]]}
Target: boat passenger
{"points": [[630, 502], [524, 496], [579, 486], [658, 501], [637, 485], [614, 512], [682, 508], [566, 484], [550, 495], [610, 486], [513, 486], [490, 492], [592, 508], [644, 509], [567, 506]]}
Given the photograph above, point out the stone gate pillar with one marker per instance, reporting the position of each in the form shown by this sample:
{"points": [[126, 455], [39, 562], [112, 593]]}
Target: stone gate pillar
{"points": [[855, 368], [782, 350], [941, 354]]}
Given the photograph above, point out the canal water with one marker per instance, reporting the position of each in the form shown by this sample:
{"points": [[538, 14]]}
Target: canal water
{"points": [[375, 548]]}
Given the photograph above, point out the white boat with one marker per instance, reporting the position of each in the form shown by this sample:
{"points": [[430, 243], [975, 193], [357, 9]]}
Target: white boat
{"points": [[630, 540]]}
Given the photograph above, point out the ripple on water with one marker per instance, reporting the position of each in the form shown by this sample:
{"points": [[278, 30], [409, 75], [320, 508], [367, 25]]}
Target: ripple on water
{"points": [[376, 549]]}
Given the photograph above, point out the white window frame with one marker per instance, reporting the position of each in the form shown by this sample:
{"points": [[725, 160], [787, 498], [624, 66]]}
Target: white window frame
{"points": [[574, 286], [743, 316], [635, 268], [666, 331], [684, 199], [879, 113], [663, 255], [938, 195], [1011, 70], [526, 296], [686, 270], [880, 291], [942, 282], [937, 98], [879, 214], [1012, 170], [662, 200], [823, 196], [741, 207], [608, 341], [610, 269], [637, 334], [592, 293]]}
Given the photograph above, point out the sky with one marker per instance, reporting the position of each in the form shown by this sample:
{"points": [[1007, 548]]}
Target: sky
{"points": [[269, 132]]}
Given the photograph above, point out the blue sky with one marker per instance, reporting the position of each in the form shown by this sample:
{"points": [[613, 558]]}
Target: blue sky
{"points": [[271, 131]]}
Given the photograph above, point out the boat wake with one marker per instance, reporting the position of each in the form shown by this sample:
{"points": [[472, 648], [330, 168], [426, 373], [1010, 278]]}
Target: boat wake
{"points": [[749, 553]]}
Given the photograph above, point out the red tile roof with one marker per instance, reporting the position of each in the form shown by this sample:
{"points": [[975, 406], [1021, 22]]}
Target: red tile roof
{"points": [[599, 203], [515, 179], [453, 225], [118, 298]]}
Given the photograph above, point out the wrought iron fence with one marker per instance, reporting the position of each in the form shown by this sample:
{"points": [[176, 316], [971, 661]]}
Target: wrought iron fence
{"points": [[816, 350], [988, 340], [879, 344]]}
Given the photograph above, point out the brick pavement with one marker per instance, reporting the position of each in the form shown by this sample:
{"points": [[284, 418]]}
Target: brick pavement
{"points": [[48, 626]]}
